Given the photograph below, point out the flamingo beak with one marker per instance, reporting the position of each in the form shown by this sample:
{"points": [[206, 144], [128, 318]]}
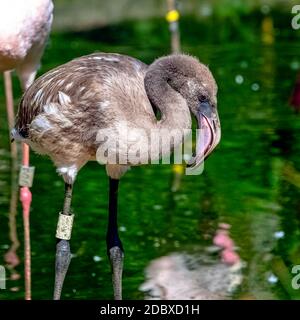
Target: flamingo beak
{"points": [[208, 133]]}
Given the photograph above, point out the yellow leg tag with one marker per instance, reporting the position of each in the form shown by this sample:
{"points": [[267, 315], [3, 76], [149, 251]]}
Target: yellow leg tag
{"points": [[172, 16], [64, 226], [178, 168]]}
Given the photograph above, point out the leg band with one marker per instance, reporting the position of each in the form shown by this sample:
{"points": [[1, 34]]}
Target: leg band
{"points": [[64, 226], [26, 176]]}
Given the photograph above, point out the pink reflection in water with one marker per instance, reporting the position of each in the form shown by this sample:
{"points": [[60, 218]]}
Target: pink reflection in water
{"points": [[223, 240]]}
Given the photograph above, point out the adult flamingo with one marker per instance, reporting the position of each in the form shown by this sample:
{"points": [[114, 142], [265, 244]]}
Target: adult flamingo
{"points": [[24, 30], [70, 111]]}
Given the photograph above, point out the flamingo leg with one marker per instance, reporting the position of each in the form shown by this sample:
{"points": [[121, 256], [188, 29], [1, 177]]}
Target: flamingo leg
{"points": [[115, 250], [63, 235], [25, 194], [10, 109], [26, 198]]}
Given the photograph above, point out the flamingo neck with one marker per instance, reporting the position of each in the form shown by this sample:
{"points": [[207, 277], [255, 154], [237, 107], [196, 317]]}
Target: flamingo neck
{"points": [[175, 114]]}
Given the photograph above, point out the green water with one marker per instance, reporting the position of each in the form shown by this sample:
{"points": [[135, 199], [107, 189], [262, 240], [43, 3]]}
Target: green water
{"points": [[250, 181]]}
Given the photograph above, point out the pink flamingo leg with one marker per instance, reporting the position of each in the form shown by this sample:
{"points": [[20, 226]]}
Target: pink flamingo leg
{"points": [[10, 110], [25, 198], [26, 29], [25, 194]]}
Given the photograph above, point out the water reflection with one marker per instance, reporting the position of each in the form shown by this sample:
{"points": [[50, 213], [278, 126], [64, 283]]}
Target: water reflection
{"points": [[11, 257], [207, 273]]}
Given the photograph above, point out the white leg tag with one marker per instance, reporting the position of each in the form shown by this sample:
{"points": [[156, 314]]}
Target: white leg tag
{"points": [[26, 176], [64, 226]]}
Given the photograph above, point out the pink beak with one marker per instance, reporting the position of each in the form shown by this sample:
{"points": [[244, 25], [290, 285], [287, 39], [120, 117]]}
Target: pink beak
{"points": [[208, 137]]}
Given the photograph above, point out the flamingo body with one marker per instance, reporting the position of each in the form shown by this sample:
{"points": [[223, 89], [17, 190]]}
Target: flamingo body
{"points": [[66, 113], [24, 30], [62, 113]]}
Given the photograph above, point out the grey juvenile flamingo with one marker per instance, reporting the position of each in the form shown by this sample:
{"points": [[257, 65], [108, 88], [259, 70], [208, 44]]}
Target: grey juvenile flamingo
{"points": [[62, 113]]}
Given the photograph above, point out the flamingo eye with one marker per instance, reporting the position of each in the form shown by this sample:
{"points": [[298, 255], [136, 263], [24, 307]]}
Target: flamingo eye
{"points": [[203, 98]]}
